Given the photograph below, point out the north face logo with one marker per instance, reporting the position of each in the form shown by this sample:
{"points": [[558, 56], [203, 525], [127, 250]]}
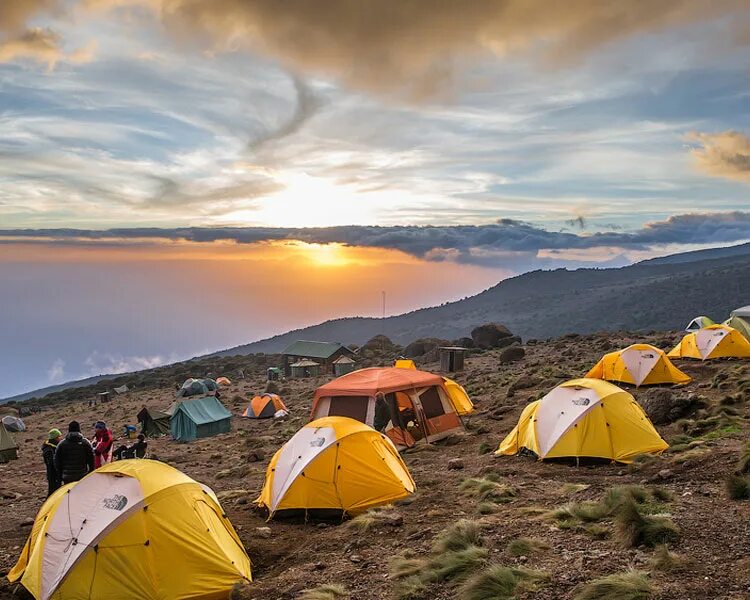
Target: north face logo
{"points": [[318, 442], [581, 401], [116, 502]]}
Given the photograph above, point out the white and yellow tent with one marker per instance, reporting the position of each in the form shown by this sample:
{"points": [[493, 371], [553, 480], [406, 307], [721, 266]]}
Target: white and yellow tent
{"points": [[715, 341], [458, 396], [639, 364], [585, 418], [132, 529], [335, 464]]}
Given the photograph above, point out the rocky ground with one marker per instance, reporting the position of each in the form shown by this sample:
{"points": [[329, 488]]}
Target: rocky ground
{"points": [[706, 422]]}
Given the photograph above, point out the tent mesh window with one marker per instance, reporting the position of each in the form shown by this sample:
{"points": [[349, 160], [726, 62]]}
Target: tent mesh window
{"points": [[431, 403], [354, 407]]}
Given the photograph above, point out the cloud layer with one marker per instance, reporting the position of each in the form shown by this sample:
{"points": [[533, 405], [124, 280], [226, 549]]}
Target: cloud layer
{"points": [[725, 154], [481, 244]]}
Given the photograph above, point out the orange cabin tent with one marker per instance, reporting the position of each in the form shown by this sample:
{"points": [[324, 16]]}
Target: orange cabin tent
{"points": [[406, 404], [264, 406]]}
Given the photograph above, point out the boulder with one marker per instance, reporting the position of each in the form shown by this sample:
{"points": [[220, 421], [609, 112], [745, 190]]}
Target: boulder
{"points": [[455, 464], [488, 335], [463, 342], [524, 382], [511, 354], [422, 346], [379, 343], [662, 406]]}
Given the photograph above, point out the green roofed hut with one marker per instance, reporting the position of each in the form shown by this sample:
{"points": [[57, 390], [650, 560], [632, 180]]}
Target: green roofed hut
{"points": [[8, 446], [204, 417], [323, 354]]}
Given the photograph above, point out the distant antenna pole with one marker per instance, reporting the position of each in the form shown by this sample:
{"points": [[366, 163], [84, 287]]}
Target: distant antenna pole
{"points": [[383, 304], [383, 322]]}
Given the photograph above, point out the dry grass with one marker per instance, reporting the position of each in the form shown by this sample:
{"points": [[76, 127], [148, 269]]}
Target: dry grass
{"points": [[633, 529], [381, 515], [488, 490], [573, 488], [738, 486], [324, 592], [630, 585], [743, 466], [666, 561], [460, 535], [525, 547], [498, 582]]}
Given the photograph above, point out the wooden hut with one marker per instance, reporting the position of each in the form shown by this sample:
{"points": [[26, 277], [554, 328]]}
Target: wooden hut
{"points": [[323, 354]]}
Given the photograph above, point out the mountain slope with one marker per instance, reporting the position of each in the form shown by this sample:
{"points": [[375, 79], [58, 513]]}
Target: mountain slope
{"points": [[543, 304]]}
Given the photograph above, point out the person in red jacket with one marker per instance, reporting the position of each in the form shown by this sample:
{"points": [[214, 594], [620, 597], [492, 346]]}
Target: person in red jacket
{"points": [[103, 441]]}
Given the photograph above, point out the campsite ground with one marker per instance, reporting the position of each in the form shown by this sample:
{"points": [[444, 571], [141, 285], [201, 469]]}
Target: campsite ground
{"points": [[292, 557]]}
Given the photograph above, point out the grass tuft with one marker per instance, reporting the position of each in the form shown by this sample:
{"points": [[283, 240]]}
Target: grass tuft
{"points": [[486, 508], [525, 547], [633, 529], [573, 488], [596, 531], [460, 535], [498, 582], [486, 448], [738, 486], [744, 463], [454, 565], [374, 517], [630, 585], [661, 494], [486, 489], [666, 561], [325, 592]]}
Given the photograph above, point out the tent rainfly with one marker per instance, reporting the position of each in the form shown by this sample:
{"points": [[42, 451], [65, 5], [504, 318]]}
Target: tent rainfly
{"points": [[13, 424], [265, 406], [714, 341], [740, 320], [204, 417], [639, 364], [153, 422], [8, 446], [584, 418], [699, 323], [132, 529]]}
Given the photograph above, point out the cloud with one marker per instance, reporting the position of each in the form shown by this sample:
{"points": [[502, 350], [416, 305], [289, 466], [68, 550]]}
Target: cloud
{"points": [[14, 14], [419, 46], [725, 154], [101, 363], [42, 46], [478, 244], [56, 372]]}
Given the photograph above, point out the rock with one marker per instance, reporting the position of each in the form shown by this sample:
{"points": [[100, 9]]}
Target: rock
{"points": [[488, 335], [463, 342], [271, 388], [455, 464], [524, 382], [662, 406], [422, 346], [319, 566], [665, 474], [27, 522], [256, 455], [264, 532], [511, 354], [355, 558]]}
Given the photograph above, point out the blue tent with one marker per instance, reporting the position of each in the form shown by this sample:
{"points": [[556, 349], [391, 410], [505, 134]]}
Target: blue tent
{"points": [[204, 417]]}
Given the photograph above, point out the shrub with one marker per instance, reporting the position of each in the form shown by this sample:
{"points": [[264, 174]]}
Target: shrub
{"points": [[630, 585], [598, 532], [460, 535], [485, 448], [487, 490], [486, 508], [632, 529], [661, 494], [454, 565]]}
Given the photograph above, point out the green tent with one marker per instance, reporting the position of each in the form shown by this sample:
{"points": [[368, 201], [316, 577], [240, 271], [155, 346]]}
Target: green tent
{"points": [[740, 320], [204, 417], [8, 447], [153, 422]]}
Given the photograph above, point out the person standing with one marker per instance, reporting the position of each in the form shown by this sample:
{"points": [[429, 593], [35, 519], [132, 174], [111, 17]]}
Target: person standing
{"points": [[48, 455], [74, 457], [103, 441]]}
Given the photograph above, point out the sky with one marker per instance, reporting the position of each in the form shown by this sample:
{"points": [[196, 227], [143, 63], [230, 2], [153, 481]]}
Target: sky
{"points": [[180, 176]]}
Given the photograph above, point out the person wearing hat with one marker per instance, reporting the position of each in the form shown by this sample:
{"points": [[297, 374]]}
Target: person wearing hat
{"points": [[102, 443], [48, 455], [74, 457]]}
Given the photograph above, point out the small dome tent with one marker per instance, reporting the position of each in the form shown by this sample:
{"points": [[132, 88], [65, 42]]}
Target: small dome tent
{"points": [[135, 529], [584, 418], [406, 404], [8, 446], [193, 387], [739, 319], [264, 406], [639, 364], [699, 323], [334, 465], [715, 341], [223, 381]]}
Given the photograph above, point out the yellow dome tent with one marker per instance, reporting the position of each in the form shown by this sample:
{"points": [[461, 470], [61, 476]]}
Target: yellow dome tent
{"points": [[457, 394], [132, 529], [639, 364], [335, 464], [584, 418], [715, 341]]}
